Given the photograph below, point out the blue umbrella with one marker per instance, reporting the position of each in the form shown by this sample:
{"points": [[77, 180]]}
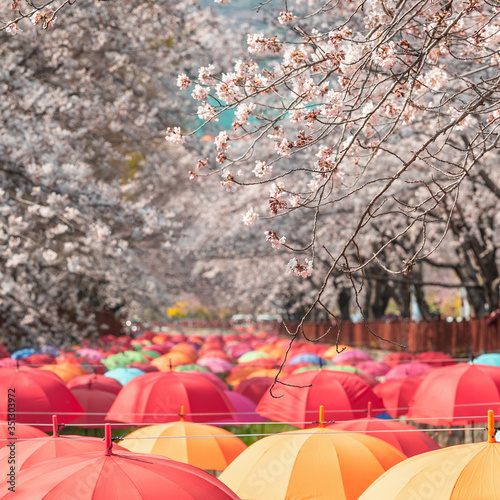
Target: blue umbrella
{"points": [[50, 350], [124, 375], [314, 359], [490, 358], [22, 353]]}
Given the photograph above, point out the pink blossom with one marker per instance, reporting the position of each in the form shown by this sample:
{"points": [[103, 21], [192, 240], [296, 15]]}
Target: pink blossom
{"points": [[300, 270], [205, 75], [286, 17], [174, 135], [259, 44], [273, 238], [284, 148], [207, 113], [183, 81], [385, 55], [221, 141], [200, 93], [228, 180], [250, 217], [262, 169]]}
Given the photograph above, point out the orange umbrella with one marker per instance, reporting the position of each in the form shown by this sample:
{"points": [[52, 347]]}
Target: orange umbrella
{"points": [[66, 371], [314, 464], [204, 446], [264, 372], [332, 351], [466, 471], [239, 373], [186, 348], [166, 362]]}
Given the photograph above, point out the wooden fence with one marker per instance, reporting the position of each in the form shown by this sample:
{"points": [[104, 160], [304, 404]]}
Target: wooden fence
{"points": [[458, 338]]}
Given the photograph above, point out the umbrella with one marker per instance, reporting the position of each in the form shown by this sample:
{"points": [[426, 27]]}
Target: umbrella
{"points": [[315, 464], [333, 351], [39, 359], [407, 439], [435, 358], [202, 445], [90, 354], [115, 475], [95, 403], [244, 409], [313, 359], [254, 388], [22, 353], [456, 395], [396, 395], [151, 354], [157, 398], [124, 375], [11, 362], [252, 356], [351, 357], [405, 370], [345, 396], [66, 371], [143, 366], [394, 358], [192, 367], [19, 432], [490, 358], [37, 396], [215, 365], [29, 453], [373, 368], [462, 472], [95, 381], [168, 361]]}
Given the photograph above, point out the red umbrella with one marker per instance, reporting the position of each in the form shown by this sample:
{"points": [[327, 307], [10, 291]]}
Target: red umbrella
{"points": [[158, 397], [29, 453], [143, 366], [95, 381], [344, 395], [395, 358], [459, 394], [351, 357], [19, 432], [396, 395], [407, 439], [405, 370], [435, 358], [254, 388], [95, 403], [373, 368], [39, 359], [115, 475], [37, 395]]}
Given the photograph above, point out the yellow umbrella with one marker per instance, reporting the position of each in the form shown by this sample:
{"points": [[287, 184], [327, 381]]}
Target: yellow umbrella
{"points": [[332, 351], [462, 472], [204, 446], [66, 371], [310, 464]]}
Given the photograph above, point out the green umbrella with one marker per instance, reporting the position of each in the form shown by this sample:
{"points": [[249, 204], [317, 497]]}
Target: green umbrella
{"points": [[153, 354], [252, 355], [190, 367], [339, 368]]}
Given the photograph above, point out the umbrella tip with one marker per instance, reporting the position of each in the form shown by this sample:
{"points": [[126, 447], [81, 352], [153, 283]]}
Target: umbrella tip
{"points": [[181, 414], [321, 416], [491, 427]]}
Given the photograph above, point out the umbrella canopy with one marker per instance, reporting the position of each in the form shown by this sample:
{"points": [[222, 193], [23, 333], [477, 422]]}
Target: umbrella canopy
{"points": [[39, 359], [124, 375], [168, 361], [462, 472], [456, 395], [38, 396], [158, 397], [490, 358], [202, 445], [252, 356], [215, 365], [19, 432], [344, 395], [435, 358], [318, 464], [395, 358], [66, 371], [351, 357], [90, 354], [244, 409], [254, 388], [95, 403], [405, 370], [333, 350], [143, 366], [313, 359], [373, 368], [95, 381], [115, 475], [397, 394], [407, 439], [22, 353]]}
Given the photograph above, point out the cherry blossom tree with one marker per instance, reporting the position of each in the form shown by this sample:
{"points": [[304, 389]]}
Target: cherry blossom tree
{"points": [[92, 197], [376, 121]]}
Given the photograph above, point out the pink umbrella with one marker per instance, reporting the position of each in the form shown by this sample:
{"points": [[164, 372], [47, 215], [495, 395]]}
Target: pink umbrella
{"points": [[95, 381], [351, 357], [405, 370], [396, 394], [216, 365], [244, 409], [373, 368], [254, 388]]}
